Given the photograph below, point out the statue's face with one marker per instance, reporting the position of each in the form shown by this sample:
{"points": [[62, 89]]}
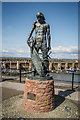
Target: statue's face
{"points": [[40, 19]]}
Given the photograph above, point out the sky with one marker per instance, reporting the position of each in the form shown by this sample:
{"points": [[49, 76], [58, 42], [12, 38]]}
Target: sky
{"points": [[17, 21]]}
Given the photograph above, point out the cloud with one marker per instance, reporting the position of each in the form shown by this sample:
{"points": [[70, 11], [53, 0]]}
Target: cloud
{"points": [[62, 49], [16, 52], [4, 51], [60, 52], [65, 52], [20, 51]]}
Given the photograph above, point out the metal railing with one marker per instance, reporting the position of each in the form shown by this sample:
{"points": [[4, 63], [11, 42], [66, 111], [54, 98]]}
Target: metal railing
{"points": [[19, 72]]}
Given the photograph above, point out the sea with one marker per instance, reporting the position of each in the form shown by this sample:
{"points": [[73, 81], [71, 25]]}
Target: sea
{"points": [[66, 78]]}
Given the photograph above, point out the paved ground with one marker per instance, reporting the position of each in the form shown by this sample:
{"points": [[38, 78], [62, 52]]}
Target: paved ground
{"points": [[13, 108], [11, 91], [8, 93]]}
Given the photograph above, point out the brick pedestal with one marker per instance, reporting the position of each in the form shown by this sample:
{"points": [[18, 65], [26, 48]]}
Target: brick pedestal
{"points": [[38, 95]]}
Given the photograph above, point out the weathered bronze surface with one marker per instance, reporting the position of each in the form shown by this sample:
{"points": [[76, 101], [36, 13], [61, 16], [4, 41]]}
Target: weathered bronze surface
{"points": [[41, 41], [40, 78]]}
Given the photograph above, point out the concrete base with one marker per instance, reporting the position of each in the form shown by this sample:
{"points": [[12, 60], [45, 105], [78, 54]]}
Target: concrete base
{"points": [[38, 95]]}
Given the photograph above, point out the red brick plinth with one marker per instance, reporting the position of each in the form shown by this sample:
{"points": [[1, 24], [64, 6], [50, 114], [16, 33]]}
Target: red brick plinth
{"points": [[38, 95]]}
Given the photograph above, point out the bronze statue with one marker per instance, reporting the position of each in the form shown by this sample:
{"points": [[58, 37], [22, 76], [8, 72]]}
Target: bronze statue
{"points": [[39, 42]]}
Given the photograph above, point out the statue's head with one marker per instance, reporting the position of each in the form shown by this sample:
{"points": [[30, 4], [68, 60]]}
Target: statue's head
{"points": [[40, 16]]}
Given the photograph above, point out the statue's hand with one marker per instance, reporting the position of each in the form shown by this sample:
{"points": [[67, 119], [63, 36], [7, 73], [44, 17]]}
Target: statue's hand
{"points": [[28, 41]]}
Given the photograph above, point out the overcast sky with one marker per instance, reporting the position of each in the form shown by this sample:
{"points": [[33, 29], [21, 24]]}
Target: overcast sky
{"points": [[17, 21]]}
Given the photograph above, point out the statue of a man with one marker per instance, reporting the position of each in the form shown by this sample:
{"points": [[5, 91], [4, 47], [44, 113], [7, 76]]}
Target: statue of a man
{"points": [[42, 35]]}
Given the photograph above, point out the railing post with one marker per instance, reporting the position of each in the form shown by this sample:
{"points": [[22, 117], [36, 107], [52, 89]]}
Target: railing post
{"points": [[20, 72], [72, 79]]}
